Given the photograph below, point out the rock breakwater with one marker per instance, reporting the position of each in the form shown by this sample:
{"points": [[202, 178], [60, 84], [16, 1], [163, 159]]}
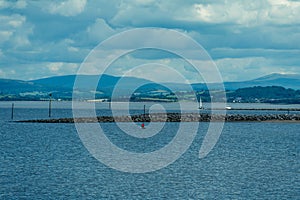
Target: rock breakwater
{"points": [[174, 117]]}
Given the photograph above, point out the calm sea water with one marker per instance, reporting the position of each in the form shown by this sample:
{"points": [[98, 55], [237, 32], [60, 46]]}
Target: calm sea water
{"points": [[250, 161], [39, 109]]}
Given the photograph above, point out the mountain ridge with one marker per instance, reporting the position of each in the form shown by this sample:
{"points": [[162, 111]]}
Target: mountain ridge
{"points": [[62, 86], [67, 81]]}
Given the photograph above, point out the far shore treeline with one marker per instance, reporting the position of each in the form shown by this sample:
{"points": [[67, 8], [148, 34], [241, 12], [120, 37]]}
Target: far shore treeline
{"points": [[279, 89]]}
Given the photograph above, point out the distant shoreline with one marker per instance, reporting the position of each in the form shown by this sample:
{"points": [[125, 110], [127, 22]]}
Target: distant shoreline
{"points": [[154, 101]]}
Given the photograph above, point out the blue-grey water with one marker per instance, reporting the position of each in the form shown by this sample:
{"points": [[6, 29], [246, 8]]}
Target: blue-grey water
{"points": [[49, 161]]}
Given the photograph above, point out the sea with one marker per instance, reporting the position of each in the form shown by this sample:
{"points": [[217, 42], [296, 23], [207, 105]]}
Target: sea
{"points": [[251, 160]]}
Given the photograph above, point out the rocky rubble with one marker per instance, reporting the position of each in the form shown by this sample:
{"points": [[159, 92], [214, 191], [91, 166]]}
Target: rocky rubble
{"points": [[174, 117]]}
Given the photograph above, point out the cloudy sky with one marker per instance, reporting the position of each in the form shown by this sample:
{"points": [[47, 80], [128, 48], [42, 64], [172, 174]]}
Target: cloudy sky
{"points": [[245, 38]]}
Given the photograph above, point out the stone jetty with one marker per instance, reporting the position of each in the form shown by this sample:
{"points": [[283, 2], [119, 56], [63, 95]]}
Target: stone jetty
{"points": [[175, 117]]}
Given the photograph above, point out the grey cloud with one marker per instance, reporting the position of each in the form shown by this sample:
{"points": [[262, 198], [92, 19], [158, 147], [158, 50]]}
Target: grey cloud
{"points": [[33, 34]]}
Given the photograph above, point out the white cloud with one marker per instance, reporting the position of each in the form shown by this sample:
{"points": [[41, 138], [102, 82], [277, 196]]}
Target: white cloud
{"points": [[248, 13], [145, 68], [145, 13], [15, 30], [266, 53], [7, 73], [5, 35], [4, 4], [157, 73], [239, 69], [59, 68], [99, 31], [11, 21], [68, 8], [73, 49], [20, 4], [54, 67], [190, 13], [248, 38]]}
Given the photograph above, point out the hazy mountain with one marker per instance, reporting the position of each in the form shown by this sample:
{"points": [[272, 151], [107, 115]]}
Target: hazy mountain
{"points": [[276, 76], [107, 83], [57, 81], [283, 80], [87, 82], [62, 86], [8, 86]]}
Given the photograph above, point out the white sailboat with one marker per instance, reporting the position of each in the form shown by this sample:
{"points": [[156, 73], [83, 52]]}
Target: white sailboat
{"points": [[200, 104]]}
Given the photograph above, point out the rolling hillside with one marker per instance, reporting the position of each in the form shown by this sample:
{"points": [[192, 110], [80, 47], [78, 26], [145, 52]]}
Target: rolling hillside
{"points": [[62, 86], [283, 80]]}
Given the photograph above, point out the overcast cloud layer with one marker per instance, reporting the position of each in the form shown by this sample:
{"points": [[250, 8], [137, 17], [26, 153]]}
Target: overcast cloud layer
{"points": [[246, 39]]}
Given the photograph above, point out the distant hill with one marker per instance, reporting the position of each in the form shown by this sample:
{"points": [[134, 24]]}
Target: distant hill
{"points": [[269, 94], [21, 90], [108, 81], [8, 86], [283, 80], [276, 76], [62, 86], [87, 81], [57, 81]]}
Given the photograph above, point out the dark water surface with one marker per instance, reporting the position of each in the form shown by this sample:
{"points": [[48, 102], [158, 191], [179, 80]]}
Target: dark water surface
{"points": [[250, 161]]}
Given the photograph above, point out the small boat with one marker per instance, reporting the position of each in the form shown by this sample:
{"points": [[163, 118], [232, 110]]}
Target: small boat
{"points": [[200, 104], [228, 108]]}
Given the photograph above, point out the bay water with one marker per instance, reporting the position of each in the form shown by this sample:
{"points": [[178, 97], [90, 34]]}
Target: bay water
{"points": [[48, 161]]}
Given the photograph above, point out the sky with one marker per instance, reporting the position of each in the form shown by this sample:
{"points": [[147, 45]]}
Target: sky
{"points": [[245, 38]]}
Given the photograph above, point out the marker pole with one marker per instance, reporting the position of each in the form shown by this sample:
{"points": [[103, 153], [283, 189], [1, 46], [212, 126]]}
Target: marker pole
{"points": [[50, 95], [12, 111]]}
